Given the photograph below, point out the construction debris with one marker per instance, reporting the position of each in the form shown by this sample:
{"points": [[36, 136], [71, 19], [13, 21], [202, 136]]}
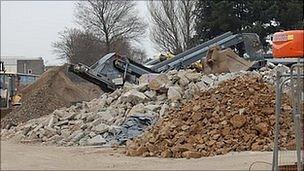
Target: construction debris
{"points": [[122, 115], [114, 118], [51, 91], [238, 115]]}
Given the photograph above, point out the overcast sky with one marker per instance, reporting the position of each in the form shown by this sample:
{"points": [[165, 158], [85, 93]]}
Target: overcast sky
{"points": [[28, 28]]}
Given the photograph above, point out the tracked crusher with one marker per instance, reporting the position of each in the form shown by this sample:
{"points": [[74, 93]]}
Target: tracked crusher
{"points": [[113, 70]]}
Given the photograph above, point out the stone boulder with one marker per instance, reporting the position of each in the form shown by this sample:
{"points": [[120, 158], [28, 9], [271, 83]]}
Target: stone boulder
{"points": [[174, 93], [159, 83]]}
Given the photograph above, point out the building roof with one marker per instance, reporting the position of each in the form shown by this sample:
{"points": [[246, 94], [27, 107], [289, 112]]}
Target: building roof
{"points": [[12, 60], [15, 58]]}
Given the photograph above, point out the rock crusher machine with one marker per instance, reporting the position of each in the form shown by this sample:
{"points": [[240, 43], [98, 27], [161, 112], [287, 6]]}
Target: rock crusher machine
{"points": [[113, 70], [289, 44]]}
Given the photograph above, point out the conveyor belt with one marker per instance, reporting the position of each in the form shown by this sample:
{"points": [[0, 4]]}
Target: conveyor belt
{"points": [[112, 70], [104, 83]]}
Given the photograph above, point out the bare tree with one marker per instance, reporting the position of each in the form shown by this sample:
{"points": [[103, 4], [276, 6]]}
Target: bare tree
{"points": [[77, 46], [173, 24], [138, 55], [124, 48], [110, 20]]}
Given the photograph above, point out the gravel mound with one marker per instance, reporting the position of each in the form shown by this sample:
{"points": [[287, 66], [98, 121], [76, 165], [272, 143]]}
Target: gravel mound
{"points": [[52, 90], [238, 115]]}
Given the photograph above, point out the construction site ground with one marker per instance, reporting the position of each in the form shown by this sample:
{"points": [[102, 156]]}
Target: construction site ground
{"points": [[32, 156]]}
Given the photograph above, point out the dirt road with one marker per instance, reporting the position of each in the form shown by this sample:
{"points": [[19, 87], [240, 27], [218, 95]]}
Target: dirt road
{"points": [[25, 156]]}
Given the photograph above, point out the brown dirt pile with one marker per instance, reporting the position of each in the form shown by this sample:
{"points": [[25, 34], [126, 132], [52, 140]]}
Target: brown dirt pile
{"points": [[238, 115], [51, 91]]}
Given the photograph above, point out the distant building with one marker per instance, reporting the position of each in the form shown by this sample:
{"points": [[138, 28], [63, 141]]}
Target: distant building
{"points": [[23, 65]]}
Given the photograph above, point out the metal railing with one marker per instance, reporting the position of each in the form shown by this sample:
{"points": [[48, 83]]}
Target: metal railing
{"points": [[296, 78]]}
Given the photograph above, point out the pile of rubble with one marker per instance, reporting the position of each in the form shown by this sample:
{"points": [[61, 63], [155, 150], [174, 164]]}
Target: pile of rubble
{"points": [[238, 115], [51, 91], [117, 117]]}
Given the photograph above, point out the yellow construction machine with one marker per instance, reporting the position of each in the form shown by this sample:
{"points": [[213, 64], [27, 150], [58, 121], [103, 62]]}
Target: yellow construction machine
{"points": [[8, 91]]}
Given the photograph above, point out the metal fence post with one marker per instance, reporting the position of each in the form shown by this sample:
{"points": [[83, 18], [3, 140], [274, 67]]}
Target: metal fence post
{"points": [[275, 161]]}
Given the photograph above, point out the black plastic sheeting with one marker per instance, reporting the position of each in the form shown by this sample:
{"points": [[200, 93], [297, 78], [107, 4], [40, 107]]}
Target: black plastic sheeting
{"points": [[132, 127]]}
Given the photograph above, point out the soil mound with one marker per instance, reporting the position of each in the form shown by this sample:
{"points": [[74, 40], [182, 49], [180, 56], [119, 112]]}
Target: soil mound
{"points": [[238, 115], [51, 91]]}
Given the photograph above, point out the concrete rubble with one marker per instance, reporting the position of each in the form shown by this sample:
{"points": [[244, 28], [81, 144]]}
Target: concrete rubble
{"points": [[116, 117], [238, 115]]}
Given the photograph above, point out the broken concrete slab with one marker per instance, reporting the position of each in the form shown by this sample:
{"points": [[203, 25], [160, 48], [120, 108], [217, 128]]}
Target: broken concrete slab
{"points": [[174, 93], [159, 83], [97, 140]]}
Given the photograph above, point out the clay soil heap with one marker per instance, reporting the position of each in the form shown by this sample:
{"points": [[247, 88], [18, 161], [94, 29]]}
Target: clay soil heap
{"points": [[51, 91], [238, 115]]}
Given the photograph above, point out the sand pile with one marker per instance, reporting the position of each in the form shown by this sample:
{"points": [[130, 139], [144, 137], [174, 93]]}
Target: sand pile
{"points": [[51, 91], [238, 115]]}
